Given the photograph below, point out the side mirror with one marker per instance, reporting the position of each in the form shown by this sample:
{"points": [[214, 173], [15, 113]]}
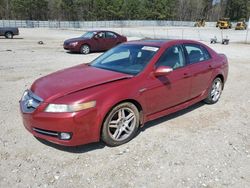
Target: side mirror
{"points": [[96, 36], [163, 71]]}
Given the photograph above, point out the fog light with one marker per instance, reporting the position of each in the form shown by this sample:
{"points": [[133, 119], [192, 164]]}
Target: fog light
{"points": [[65, 136]]}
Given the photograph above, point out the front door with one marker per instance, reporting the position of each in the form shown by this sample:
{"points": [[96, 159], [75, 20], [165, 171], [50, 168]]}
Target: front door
{"points": [[99, 42], [164, 92]]}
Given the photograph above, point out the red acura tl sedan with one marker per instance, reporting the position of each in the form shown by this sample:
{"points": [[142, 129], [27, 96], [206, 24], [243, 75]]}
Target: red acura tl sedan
{"points": [[111, 97], [94, 41]]}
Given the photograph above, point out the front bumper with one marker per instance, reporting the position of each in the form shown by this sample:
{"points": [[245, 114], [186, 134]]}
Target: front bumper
{"points": [[83, 126], [71, 48]]}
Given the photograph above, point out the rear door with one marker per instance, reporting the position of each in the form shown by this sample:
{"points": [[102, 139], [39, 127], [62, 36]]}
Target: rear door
{"points": [[200, 65], [110, 40]]}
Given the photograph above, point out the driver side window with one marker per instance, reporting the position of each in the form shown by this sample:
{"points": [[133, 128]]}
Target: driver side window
{"points": [[173, 57], [101, 35]]}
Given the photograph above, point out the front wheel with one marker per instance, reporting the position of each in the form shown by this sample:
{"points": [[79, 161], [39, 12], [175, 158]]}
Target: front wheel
{"points": [[215, 91], [121, 124], [9, 35], [85, 49]]}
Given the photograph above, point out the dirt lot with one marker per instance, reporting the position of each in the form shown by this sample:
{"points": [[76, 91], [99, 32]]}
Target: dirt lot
{"points": [[202, 146]]}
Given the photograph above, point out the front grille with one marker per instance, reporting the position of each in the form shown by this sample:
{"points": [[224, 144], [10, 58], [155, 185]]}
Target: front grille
{"points": [[30, 101], [46, 132]]}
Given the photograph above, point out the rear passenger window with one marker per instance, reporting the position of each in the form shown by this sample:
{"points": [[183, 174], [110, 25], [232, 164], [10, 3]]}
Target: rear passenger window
{"points": [[196, 53], [110, 35]]}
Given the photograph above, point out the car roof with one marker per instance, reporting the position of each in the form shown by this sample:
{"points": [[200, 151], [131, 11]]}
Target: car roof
{"points": [[160, 42], [150, 42], [101, 31]]}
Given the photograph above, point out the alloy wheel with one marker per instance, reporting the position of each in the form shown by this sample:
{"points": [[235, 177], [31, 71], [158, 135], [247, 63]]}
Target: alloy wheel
{"points": [[85, 49], [216, 90], [122, 124]]}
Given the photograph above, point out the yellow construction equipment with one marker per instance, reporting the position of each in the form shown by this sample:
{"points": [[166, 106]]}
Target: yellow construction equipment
{"points": [[224, 23], [200, 23], [241, 25]]}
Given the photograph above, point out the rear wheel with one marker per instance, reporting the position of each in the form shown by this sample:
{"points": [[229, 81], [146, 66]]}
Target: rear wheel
{"points": [[85, 49], [8, 35], [215, 91], [121, 124]]}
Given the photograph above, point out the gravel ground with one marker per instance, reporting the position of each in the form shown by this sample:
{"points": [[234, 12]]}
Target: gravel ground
{"points": [[202, 146]]}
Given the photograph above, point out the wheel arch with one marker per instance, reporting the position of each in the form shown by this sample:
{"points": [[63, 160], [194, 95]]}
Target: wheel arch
{"points": [[133, 101], [222, 79], [8, 32], [85, 43], [5, 34]]}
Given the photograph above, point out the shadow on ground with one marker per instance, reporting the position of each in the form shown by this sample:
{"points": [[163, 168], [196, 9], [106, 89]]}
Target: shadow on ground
{"points": [[18, 38], [78, 53], [76, 149], [171, 116]]}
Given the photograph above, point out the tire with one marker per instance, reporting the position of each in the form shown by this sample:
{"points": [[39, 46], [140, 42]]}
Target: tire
{"points": [[214, 91], [121, 124], [85, 49], [8, 35]]}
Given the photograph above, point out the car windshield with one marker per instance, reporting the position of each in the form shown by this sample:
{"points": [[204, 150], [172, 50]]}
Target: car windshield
{"points": [[89, 34], [128, 58]]}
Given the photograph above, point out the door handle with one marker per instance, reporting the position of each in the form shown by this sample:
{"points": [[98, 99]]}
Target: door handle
{"points": [[210, 66]]}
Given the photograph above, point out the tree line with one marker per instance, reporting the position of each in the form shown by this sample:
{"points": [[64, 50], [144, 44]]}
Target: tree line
{"points": [[72, 10]]}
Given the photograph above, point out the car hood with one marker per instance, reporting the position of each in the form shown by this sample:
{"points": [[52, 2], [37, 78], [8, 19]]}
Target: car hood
{"points": [[73, 79], [75, 40]]}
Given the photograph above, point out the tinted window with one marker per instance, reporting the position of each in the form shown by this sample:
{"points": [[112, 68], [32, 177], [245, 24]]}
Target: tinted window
{"points": [[110, 35], [196, 53], [129, 59], [172, 57]]}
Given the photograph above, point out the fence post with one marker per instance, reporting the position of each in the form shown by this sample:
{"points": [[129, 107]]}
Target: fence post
{"points": [[221, 35], [247, 35], [154, 32], [199, 34]]}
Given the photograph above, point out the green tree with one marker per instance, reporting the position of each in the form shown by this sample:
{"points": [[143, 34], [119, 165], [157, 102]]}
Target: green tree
{"points": [[237, 9], [30, 9]]}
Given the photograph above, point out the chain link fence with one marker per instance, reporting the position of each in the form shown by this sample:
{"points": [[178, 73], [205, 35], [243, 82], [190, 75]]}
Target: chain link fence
{"points": [[142, 28], [95, 24]]}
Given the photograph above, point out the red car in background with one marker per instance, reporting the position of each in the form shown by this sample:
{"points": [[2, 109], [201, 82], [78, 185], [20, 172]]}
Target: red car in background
{"points": [[118, 92], [94, 41]]}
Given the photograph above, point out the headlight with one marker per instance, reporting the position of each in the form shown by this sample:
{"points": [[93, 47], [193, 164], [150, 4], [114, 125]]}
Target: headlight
{"points": [[25, 95], [73, 43], [70, 108]]}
